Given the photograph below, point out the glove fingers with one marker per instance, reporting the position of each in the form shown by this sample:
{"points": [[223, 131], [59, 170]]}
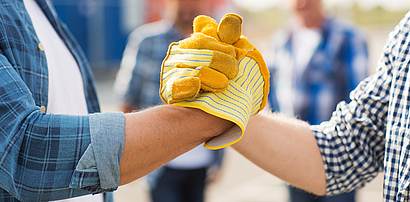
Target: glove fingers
{"points": [[230, 28], [225, 64], [212, 80], [223, 58], [201, 41], [206, 25], [185, 88], [213, 55], [228, 31], [178, 84]]}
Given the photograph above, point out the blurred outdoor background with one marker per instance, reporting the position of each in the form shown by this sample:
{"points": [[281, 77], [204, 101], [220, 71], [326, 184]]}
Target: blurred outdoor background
{"points": [[102, 27]]}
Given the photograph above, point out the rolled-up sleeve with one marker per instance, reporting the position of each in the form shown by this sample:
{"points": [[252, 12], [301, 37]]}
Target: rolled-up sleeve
{"points": [[352, 150], [352, 142], [99, 168]]}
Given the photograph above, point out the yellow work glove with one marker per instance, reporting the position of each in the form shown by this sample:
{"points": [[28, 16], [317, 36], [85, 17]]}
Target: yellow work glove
{"points": [[218, 71]]}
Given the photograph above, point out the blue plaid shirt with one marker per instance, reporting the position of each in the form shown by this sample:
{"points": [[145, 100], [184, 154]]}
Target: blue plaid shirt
{"points": [[371, 133], [47, 156], [337, 65]]}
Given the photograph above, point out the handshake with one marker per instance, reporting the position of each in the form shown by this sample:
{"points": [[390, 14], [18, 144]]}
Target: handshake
{"points": [[218, 71]]}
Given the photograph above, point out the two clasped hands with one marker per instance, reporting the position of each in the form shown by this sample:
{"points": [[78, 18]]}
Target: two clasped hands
{"points": [[218, 71]]}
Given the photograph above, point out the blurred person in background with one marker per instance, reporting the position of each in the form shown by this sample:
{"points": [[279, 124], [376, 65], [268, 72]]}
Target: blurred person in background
{"points": [[137, 86], [315, 61]]}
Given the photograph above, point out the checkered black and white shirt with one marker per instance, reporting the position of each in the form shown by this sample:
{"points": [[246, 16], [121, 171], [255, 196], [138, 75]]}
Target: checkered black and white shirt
{"points": [[371, 134]]}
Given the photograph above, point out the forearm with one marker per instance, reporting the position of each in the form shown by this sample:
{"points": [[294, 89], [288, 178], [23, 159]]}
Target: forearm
{"points": [[157, 135], [285, 148]]}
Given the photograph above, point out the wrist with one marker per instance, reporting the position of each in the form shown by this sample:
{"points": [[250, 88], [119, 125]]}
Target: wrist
{"points": [[206, 125], [176, 120]]}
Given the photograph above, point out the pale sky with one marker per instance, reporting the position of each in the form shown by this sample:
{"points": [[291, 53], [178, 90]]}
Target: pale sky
{"points": [[365, 4]]}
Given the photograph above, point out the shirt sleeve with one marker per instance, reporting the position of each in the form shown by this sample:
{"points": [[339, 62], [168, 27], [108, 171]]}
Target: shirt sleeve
{"points": [[101, 161], [53, 156], [352, 141]]}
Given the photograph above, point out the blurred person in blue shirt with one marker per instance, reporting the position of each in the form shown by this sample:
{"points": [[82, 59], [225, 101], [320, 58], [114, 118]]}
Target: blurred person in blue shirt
{"points": [[137, 86], [315, 61]]}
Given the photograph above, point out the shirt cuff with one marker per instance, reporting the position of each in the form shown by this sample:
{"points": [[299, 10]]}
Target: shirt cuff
{"points": [[99, 168], [329, 157]]}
